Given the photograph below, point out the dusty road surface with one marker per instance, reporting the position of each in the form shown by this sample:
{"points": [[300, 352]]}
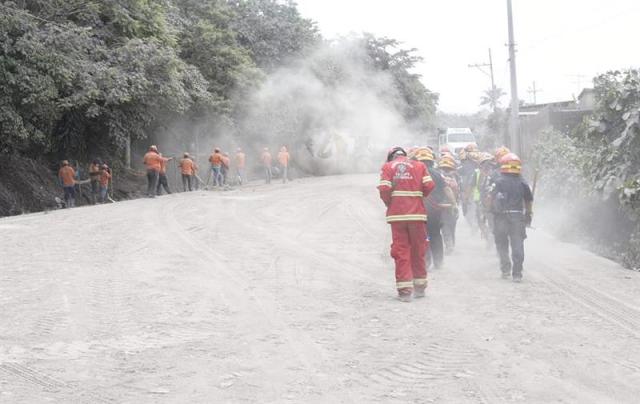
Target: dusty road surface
{"points": [[286, 294]]}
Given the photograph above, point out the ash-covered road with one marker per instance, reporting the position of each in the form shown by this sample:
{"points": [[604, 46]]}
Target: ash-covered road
{"points": [[286, 294]]}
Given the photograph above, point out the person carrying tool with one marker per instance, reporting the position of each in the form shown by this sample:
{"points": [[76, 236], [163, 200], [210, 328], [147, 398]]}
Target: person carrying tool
{"points": [[94, 177], [512, 205], [283, 161], [216, 167], [187, 170], [67, 177], [403, 184], [163, 181], [153, 163], [266, 163], [105, 177], [240, 162]]}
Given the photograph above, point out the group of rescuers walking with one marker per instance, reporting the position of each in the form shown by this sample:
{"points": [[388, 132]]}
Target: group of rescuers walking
{"points": [[220, 164], [489, 186]]}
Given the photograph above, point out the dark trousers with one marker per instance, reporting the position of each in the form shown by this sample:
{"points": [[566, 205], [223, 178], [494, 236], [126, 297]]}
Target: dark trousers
{"points": [[70, 196], [95, 191], [152, 182], [162, 183], [267, 175], [186, 182], [510, 230], [434, 232]]}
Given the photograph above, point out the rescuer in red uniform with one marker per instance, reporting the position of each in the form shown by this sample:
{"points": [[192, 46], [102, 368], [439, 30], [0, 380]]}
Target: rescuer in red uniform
{"points": [[403, 184]]}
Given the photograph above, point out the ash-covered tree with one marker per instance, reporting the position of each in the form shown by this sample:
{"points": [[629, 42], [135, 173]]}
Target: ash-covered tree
{"points": [[273, 31]]}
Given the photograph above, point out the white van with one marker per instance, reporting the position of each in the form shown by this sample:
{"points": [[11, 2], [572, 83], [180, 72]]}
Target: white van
{"points": [[456, 139]]}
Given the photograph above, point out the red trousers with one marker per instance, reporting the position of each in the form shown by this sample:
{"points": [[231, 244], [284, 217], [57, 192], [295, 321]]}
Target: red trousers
{"points": [[408, 249]]}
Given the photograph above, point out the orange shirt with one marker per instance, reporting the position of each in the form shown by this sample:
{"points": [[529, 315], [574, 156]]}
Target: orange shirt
{"points": [[187, 166], [226, 161], [240, 159], [153, 161], [283, 158], [163, 165], [104, 178], [68, 176], [266, 159], [216, 159]]}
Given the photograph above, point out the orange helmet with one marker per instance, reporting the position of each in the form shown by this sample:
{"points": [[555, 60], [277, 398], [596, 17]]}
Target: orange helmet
{"points": [[423, 154], [510, 164], [501, 152], [447, 162]]}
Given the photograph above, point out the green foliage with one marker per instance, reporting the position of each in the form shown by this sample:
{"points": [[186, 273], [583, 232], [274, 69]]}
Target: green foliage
{"points": [[599, 165], [273, 31], [81, 77]]}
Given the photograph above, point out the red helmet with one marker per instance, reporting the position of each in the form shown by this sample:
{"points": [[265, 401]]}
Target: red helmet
{"points": [[510, 164], [501, 152], [394, 151]]}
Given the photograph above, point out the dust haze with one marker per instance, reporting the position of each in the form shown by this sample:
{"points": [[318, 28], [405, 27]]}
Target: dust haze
{"points": [[331, 109]]}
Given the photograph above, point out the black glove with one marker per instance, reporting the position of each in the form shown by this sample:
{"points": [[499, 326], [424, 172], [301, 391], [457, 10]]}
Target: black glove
{"points": [[528, 217]]}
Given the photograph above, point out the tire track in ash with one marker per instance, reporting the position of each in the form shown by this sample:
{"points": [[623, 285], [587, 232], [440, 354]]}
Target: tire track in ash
{"points": [[293, 245], [264, 313], [614, 312], [445, 363], [52, 385]]}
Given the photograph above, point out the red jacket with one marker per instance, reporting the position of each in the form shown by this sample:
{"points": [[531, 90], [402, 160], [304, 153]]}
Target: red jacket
{"points": [[403, 184]]}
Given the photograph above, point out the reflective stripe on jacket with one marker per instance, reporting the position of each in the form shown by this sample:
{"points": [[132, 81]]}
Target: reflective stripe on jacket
{"points": [[403, 184]]}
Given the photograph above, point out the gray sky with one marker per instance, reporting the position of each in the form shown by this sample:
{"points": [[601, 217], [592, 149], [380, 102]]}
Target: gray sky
{"points": [[558, 40]]}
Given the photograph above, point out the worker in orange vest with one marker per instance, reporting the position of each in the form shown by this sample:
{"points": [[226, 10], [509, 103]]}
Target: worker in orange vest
{"points": [[105, 177], [163, 181], [153, 163], [187, 168], [226, 165], [283, 160], [67, 176], [94, 176], [266, 163], [216, 167], [240, 162]]}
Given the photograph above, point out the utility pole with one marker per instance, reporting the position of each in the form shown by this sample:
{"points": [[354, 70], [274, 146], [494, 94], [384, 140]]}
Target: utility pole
{"points": [[515, 101], [534, 91], [481, 66]]}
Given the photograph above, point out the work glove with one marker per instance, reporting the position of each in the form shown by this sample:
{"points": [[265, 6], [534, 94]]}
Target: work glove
{"points": [[528, 217]]}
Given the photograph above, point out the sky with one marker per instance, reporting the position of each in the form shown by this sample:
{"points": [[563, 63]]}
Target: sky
{"points": [[561, 44]]}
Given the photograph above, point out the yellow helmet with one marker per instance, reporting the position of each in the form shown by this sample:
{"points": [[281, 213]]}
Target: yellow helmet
{"points": [[423, 154], [447, 162], [510, 164]]}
